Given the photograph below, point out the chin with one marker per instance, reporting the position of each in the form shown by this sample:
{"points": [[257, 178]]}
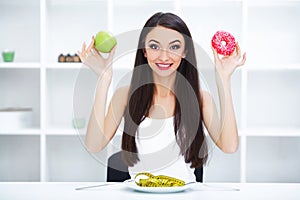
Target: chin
{"points": [[165, 73]]}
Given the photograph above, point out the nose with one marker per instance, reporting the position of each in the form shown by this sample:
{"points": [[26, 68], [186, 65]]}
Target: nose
{"points": [[164, 55]]}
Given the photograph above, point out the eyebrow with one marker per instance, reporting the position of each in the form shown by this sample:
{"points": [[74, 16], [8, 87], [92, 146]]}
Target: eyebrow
{"points": [[169, 43]]}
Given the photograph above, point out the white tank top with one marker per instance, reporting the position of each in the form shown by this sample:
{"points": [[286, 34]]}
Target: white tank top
{"points": [[159, 152]]}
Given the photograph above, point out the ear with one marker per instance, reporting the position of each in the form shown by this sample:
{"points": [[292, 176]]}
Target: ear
{"points": [[184, 54], [145, 53]]}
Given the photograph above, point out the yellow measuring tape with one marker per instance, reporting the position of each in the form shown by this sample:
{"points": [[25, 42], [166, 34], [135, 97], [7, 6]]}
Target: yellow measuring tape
{"points": [[145, 179]]}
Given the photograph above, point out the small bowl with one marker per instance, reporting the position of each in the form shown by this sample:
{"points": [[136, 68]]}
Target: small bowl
{"points": [[78, 123], [8, 55]]}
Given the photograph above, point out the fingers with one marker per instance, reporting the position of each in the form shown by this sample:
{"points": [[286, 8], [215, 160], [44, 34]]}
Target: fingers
{"points": [[80, 56], [216, 56], [112, 53], [242, 62], [91, 45], [83, 52], [83, 48], [239, 55], [238, 51], [91, 55], [96, 53]]}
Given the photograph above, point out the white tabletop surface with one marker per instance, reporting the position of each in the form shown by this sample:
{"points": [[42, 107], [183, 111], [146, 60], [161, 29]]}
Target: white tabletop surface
{"points": [[199, 191]]}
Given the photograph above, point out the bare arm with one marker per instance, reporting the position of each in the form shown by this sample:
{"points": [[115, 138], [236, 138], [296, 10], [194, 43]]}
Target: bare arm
{"points": [[102, 127], [223, 131]]}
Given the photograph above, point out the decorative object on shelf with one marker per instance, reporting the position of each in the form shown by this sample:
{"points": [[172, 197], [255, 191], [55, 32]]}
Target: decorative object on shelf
{"points": [[15, 118], [104, 41], [61, 58], [76, 58], [223, 42], [8, 55], [70, 57], [78, 123]]}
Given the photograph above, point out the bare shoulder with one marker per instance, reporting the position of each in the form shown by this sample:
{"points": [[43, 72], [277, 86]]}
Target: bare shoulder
{"points": [[122, 90], [206, 98], [121, 95]]}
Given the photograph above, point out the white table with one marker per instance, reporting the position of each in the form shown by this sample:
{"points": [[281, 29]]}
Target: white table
{"points": [[66, 190]]}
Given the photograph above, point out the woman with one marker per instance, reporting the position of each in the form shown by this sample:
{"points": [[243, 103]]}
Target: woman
{"points": [[164, 108]]}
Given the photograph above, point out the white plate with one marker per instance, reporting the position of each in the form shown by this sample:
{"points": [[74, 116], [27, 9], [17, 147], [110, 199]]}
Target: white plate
{"points": [[132, 185]]}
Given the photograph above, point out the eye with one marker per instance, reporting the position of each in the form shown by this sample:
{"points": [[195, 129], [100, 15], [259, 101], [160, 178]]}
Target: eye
{"points": [[175, 47], [154, 46]]}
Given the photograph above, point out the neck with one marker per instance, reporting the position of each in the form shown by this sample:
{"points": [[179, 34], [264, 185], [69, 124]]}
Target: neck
{"points": [[164, 86]]}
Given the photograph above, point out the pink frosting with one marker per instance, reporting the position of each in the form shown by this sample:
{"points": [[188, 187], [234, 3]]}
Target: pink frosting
{"points": [[224, 43]]}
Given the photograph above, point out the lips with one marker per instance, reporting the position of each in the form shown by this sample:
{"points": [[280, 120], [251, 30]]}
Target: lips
{"points": [[164, 66]]}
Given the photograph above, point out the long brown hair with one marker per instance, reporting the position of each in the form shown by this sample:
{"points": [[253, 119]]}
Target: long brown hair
{"points": [[188, 126]]}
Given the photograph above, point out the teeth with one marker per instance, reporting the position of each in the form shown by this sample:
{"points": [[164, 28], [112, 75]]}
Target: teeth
{"points": [[164, 65]]}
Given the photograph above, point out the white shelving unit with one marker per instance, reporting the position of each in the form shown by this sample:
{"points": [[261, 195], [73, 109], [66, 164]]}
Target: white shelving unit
{"points": [[265, 91]]}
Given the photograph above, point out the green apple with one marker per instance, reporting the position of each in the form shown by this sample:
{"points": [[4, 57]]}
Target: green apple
{"points": [[104, 42]]}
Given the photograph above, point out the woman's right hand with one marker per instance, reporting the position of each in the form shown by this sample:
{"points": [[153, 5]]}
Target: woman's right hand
{"points": [[91, 57]]}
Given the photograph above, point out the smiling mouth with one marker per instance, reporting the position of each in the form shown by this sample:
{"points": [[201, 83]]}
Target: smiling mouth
{"points": [[162, 66]]}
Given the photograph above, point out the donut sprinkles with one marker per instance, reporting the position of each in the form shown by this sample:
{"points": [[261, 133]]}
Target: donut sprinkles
{"points": [[224, 43]]}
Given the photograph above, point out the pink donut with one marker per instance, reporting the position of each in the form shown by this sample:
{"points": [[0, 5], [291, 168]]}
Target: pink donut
{"points": [[223, 42]]}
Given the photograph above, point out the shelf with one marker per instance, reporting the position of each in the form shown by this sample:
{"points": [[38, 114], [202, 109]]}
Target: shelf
{"points": [[72, 2], [20, 158], [272, 3], [33, 131], [273, 67], [273, 40], [17, 65], [20, 29], [69, 161], [70, 91], [216, 158], [66, 34], [36, 65], [64, 66], [20, 88], [65, 132], [37, 131], [272, 133], [273, 159], [272, 99]]}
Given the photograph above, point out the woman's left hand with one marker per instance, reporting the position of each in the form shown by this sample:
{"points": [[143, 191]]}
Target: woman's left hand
{"points": [[226, 65]]}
